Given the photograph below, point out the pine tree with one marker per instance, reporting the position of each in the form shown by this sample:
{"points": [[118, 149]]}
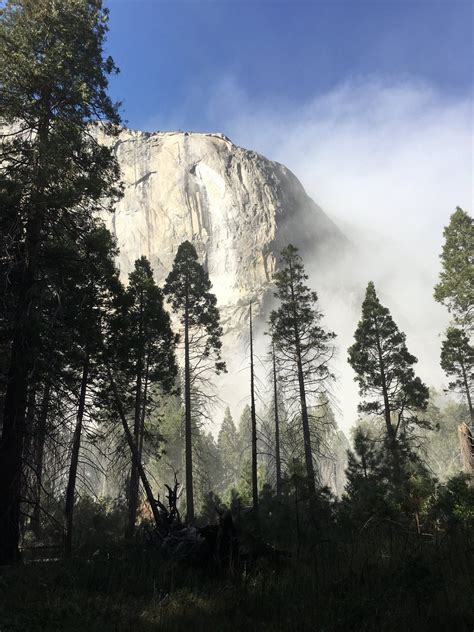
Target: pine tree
{"points": [[440, 443], [455, 289], [188, 290], [365, 462], [54, 80], [331, 445], [245, 434], [88, 283], [229, 450], [384, 371], [367, 485], [303, 347], [78, 279], [457, 361], [272, 429], [207, 466], [145, 347]]}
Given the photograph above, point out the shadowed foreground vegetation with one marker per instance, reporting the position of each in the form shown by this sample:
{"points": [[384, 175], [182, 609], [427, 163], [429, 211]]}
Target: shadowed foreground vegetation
{"points": [[380, 576], [357, 587]]}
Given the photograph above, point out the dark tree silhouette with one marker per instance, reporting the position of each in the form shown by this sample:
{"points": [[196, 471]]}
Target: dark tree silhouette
{"points": [[146, 349], [276, 419], [229, 450], [303, 347], [188, 290], [54, 79], [384, 371], [457, 361], [89, 281], [253, 417], [455, 289]]}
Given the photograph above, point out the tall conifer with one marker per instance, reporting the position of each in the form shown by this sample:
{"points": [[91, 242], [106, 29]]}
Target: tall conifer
{"points": [[146, 354], [384, 371], [302, 345], [53, 74], [188, 289], [229, 450], [455, 289], [457, 361]]}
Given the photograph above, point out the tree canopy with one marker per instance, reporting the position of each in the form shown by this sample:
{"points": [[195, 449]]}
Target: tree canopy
{"points": [[455, 289], [303, 347], [384, 369]]}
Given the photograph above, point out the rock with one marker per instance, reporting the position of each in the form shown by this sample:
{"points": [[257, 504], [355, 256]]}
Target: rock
{"points": [[238, 208]]}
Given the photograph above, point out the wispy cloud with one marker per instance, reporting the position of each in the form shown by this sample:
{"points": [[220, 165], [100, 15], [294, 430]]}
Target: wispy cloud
{"points": [[389, 162]]}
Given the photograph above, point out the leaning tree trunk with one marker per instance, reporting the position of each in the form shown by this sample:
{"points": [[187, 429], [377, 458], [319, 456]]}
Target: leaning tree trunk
{"points": [[253, 417], [134, 450], [76, 444]]}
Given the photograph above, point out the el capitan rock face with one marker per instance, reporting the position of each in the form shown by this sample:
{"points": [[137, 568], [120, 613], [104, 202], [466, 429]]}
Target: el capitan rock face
{"points": [[238, 208]]}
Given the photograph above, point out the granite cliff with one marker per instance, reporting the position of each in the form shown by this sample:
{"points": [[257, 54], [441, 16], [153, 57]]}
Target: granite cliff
{"points": [[237, 207]]}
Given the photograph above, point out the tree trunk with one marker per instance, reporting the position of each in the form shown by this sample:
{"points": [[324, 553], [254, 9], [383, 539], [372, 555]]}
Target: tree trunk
{"points": [[468, 395], [187, 420], [143, 410], [28, 448], [391, 431], [308, 453], [254, 422], [277, 427], [40, 438], [388, 420], [13, 432], [76, 444], [139, 430], [134, 476], [467, 451], [134, 450], [21, 358]]}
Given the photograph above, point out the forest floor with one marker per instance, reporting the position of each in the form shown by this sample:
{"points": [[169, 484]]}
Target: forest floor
{"points": [[141, 593]]}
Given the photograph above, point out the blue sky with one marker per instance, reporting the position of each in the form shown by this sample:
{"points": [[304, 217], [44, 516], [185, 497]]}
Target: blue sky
{"points": [[174, 54]]}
